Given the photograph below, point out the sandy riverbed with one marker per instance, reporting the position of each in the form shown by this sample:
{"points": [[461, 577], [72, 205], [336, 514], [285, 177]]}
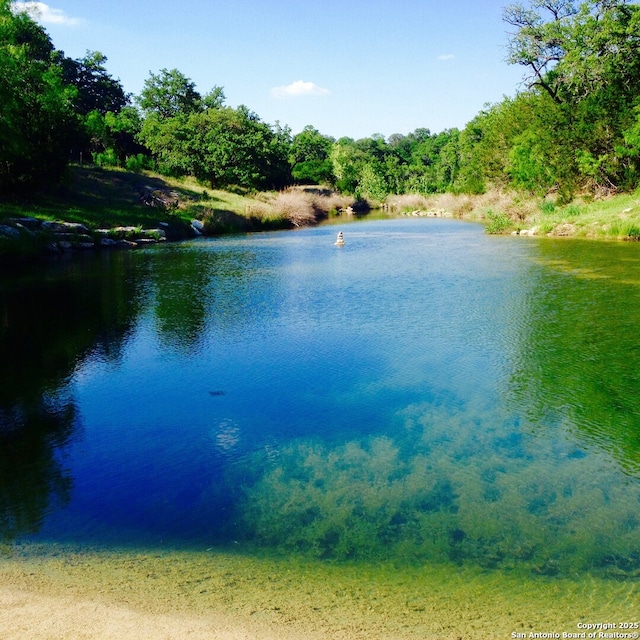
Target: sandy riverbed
{"points": [[59, 593]]}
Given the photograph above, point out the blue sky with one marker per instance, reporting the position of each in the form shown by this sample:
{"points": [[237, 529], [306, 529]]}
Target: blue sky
{"points": [[347, 67]]}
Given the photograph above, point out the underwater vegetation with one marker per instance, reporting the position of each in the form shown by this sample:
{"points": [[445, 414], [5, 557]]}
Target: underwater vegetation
{"points": [[449, 487]]}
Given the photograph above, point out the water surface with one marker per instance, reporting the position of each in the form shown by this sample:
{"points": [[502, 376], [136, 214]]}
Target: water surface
{"points": [[424, 395]]}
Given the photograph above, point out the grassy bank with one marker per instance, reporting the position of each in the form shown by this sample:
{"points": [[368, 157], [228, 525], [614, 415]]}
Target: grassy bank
{"points": [[109, 199], [613, 218]]}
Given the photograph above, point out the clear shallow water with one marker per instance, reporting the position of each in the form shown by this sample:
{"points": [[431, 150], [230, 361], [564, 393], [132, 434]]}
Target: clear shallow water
{"points": [[425, 394]]}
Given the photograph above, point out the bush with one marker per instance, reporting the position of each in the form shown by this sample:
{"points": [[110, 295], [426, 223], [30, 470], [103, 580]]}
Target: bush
{"points": [[295, 206], [497, 222], [138, 162], [106, 158]]}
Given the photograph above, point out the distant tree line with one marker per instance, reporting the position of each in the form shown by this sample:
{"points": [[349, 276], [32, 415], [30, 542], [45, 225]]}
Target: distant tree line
{"points": [[574, 126]]}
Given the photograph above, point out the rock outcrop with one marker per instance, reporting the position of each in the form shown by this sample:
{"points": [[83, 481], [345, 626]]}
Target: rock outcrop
{"points": [[56, 237]]}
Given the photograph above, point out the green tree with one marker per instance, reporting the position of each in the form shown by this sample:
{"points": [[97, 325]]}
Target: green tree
{"points": [[113, 138], [529, 168], [167, 139], [448, 166], [222, 146], [539, 42], [97, 94], [234, 147], [37, 120], [584, 57], [310, 157], [96, 89], [371, 182], [346, 160], [168, 94]]}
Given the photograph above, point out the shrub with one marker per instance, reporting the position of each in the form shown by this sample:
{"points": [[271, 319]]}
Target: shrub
{"points": [[497, 222], [295, 206], [108, 158], [138, 162]]}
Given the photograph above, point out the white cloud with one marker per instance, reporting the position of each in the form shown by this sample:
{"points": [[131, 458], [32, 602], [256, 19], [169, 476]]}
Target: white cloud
{"points": [[446, 56], [44, 13], [299, 88]]}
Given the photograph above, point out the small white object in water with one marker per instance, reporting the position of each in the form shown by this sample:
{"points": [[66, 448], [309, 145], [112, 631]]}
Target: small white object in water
{"points": [[340, 239]]}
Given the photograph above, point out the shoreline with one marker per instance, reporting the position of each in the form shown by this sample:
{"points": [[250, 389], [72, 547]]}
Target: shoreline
{"points": [[59, 592], [106, 209]]}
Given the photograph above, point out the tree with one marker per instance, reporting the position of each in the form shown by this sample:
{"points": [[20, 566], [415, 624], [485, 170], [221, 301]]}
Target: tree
{"points": [[347, 160], [371, 183], [585, 59], [97, 94], [233, 147], [168, 94], [309, 157], [539, 44], [96, 89], [222, 146], [37, 120], [113, 138]]}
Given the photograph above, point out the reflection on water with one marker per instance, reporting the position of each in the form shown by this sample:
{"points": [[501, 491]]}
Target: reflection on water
{"points": [[52, 319], [425, 394], [583, 368]]}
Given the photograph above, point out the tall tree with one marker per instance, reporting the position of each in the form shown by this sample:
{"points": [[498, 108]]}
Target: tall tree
{"points": [[168, 94], [540, 40], [96, 89], [37, 107], [222, 146], [585, 58], [309, 157]]}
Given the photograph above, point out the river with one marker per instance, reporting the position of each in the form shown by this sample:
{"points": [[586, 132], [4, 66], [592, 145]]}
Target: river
{"points": [[425, 395]]}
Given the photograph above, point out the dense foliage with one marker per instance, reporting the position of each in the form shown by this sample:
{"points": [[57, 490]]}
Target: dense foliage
{"points": [[36, 105], [199, 136], [575, 125]]}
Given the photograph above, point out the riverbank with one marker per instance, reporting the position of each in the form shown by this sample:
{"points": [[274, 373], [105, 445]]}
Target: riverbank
{"points": [[52, 592], [105, 208], [612, 218]]}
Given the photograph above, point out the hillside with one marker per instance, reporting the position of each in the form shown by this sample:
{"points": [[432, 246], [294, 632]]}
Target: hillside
{"points": [[111, 207]]}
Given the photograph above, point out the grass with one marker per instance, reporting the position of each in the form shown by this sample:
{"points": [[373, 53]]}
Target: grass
{"points": [[99, 198], [109, 198], [613, 218]]}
